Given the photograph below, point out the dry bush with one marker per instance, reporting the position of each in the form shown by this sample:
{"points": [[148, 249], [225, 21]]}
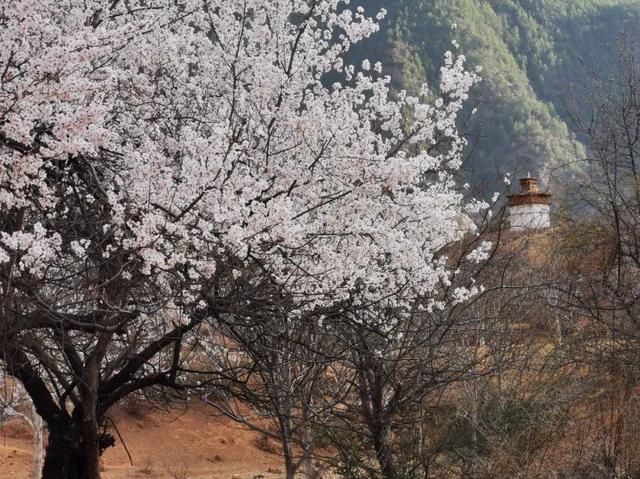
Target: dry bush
{"points": [[179, 472], [134, 406], [147, 468], [265, 443]]}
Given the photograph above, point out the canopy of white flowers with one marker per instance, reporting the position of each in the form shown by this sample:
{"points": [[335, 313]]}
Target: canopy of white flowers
{"points": [[209, 125]]}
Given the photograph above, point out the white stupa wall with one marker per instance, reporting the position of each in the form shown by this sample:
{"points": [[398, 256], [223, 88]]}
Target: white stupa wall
{"points": [[535, 216]]}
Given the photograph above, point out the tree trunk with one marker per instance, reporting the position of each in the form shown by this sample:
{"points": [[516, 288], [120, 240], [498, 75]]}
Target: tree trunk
{"points": [[90, 428], [289, 467], [384, 454], [91, 447], [307, 454], [38, 444], [377, 414], [73, 452], [289, 454], [63, 456], [90, 431]]}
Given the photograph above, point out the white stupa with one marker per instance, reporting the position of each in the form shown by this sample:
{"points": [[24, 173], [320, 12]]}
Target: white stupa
{"points": [[529, 209]]}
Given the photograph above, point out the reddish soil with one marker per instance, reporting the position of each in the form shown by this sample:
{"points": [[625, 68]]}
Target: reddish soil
{"points": [[190, 445]]}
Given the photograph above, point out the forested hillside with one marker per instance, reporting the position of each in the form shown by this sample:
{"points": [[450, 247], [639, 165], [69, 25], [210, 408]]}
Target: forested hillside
{"points": [[536, 57]]}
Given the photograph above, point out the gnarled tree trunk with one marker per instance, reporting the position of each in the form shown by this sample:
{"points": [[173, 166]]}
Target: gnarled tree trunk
{"points": [[63, 455], [73, 452]]}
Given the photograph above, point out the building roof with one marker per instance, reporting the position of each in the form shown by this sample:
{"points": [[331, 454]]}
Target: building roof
{"points": [[529, 194]]}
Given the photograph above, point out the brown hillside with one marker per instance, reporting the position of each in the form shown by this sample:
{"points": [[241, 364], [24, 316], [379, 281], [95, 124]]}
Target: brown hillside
{"points": [[190, 445]]}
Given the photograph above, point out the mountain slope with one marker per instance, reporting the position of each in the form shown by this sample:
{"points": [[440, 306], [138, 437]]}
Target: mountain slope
{"points": [[535, 54]]}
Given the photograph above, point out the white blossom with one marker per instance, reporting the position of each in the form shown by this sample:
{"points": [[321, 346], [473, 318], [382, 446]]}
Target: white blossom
{"points": [[230, 143]]}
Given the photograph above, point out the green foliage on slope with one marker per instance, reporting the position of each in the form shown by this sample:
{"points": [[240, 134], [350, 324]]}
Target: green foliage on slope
{"points": [[535, 54]]}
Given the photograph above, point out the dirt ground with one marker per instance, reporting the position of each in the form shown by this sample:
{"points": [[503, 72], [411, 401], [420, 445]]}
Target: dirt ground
{"points": [[189, 445]]}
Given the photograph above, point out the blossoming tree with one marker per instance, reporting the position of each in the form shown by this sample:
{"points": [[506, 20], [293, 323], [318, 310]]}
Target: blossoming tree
{"points": [[150, 152]]}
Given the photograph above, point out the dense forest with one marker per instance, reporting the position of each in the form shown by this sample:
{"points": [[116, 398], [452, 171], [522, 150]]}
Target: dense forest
{"points": [[536, 55]]}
